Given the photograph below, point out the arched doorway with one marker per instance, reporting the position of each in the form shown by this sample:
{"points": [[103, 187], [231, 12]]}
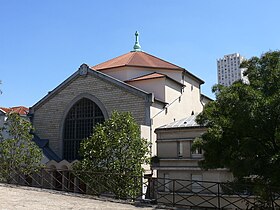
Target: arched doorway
{"points": [[78, 125]]}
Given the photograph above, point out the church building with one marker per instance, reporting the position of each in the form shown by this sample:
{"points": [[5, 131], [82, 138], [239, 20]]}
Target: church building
{"points": [[155, 91]]}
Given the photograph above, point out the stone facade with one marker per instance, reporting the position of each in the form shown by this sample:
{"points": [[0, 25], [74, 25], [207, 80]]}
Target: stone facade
{"points": [[48, 116]]}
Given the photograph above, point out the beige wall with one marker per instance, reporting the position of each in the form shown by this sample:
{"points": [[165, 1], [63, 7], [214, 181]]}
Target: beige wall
{"points": [[156, 86], [180, 104], [172, 90], [164, 89], [168, 141], [49, 117], [185, 165]]}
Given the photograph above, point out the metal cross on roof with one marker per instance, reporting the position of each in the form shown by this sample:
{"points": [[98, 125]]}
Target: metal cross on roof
{"points": [[137, 47]]}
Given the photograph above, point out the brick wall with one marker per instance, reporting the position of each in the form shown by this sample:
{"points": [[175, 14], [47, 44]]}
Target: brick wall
{"points": [[49, 115]]}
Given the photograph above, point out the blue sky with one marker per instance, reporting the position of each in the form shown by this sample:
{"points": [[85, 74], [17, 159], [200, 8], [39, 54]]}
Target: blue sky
{"points": [[44, 42]]}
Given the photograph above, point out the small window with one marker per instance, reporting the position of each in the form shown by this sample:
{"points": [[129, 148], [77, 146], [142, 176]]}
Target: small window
{"points": [[191, 87], [180, 149]]}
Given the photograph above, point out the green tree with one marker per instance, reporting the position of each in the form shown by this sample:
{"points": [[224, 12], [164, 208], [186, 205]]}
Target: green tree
{"points": [[244, 123], [117, 152], [18, 153]]}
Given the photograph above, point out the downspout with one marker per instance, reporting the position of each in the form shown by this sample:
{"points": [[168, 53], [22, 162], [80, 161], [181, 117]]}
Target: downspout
{"points": [[150, 100]]}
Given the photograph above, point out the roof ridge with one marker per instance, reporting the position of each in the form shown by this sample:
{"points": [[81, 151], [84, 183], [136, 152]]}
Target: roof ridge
{"points": [[163, 60], [131, 56], [141, 59]]}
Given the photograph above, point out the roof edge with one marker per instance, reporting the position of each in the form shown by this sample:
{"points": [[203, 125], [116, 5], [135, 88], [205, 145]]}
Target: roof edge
{"points": [[194, 77], [53, 92], [162, 76], [150, 67], [180, 128], [205, 96], [164, 61], [84, 70]]}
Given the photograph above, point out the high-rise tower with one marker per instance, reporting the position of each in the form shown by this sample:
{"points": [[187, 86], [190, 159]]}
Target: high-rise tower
{"points": [[229, 69]]}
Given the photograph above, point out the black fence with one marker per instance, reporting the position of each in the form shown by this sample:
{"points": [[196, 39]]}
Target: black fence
{"points": [[168, 192]]}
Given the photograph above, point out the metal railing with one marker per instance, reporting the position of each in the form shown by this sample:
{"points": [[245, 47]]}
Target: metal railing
{"points": [[169, 192], [213, 195]]}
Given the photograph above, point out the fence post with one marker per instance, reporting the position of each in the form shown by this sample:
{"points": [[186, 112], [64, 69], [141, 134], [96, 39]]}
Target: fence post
{"points": [[41, 177], [219, 204], [173, 191]]}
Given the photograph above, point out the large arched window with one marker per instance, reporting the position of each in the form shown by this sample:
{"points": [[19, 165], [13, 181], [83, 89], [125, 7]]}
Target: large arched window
{"points": [[79, 123]]}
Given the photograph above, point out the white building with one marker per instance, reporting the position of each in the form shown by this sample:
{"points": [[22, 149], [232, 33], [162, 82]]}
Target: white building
{"points": [[229, 69]]}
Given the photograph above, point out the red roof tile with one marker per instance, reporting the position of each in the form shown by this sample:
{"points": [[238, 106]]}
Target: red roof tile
{"points": [[140, 59], [5, 109], [154, 75], [17, 109], [147, 76]]}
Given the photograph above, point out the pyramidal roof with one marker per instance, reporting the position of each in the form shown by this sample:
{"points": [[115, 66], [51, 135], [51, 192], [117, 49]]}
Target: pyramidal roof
{"points": [[138, 59]]}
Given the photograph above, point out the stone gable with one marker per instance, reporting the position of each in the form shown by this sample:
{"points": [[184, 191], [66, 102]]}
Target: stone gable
{"points": [[48, 118]]}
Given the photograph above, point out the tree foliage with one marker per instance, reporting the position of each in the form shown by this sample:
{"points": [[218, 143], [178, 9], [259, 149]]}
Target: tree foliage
{"points": [[18, 153], [244, 123], [116, 150]]}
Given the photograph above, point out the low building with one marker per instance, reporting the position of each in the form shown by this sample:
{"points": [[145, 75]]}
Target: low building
{"points": [[176, 160], [21, 110]]}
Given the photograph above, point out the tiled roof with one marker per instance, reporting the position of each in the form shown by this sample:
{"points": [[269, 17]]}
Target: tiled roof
{"points": [[17, 109], [147, 76], [187, 122], [140, 59], [5, 110], [153, 75]]}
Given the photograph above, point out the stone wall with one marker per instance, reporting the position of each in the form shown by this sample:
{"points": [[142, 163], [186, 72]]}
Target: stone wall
{"points": [[49, 114]]}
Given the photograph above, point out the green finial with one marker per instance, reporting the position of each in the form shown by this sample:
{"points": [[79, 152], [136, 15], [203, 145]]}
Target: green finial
{"points": [[137, 46]]}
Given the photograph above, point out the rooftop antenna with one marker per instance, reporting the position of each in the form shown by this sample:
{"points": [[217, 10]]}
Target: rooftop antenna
{"points": [[137, 47]]}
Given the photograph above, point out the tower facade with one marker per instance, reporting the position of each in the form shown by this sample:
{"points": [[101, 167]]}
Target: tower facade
{"points": [[229, 69]]}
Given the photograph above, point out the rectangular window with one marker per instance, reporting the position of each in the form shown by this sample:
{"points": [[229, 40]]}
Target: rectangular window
{"points": [[180, 149]]}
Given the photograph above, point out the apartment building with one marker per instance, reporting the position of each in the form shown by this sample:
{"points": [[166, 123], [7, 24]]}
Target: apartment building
{"points": [[229, 69]]}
